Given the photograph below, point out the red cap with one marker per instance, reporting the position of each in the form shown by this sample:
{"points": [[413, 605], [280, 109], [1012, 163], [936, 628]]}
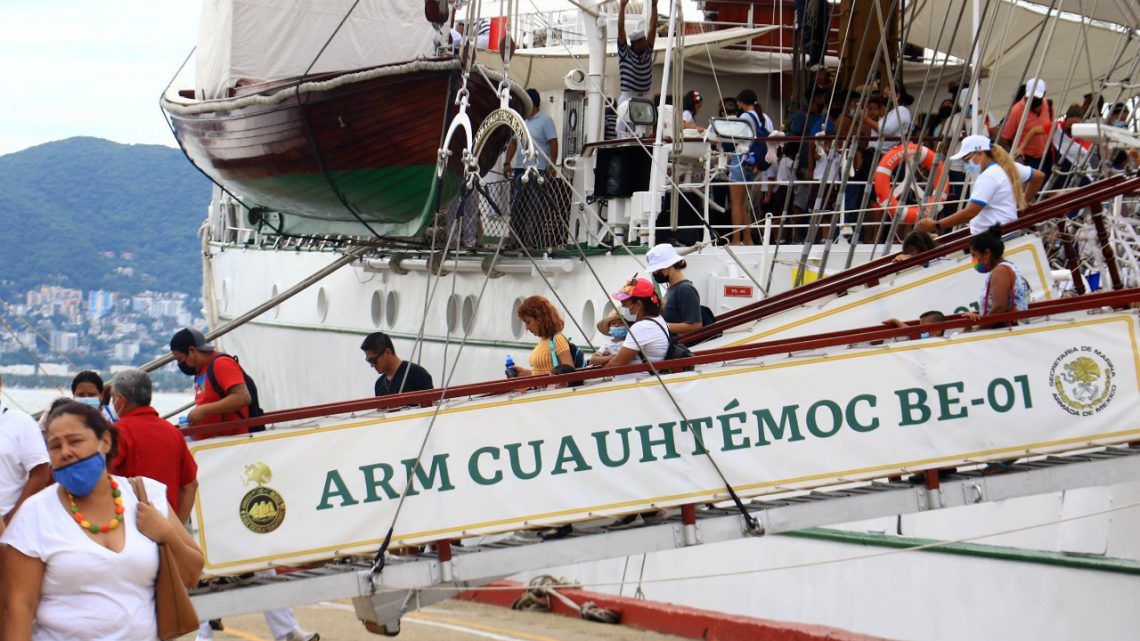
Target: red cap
{"points": [[637, 288]]}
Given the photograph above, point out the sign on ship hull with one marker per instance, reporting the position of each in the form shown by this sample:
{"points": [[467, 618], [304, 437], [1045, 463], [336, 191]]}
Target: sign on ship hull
{"points": [[511, 462]]}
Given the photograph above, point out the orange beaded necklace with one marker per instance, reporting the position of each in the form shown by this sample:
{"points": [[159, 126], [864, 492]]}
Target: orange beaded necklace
{"points": [[87, 525]]}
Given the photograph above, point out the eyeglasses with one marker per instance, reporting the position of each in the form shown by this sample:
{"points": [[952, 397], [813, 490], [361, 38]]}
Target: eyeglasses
{"points": [[372, 360]]}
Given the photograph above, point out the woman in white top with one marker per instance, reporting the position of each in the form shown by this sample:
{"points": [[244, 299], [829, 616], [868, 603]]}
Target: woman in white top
{"points": [[1001, 188], [81, 555], [691, 103], [648, 332]]}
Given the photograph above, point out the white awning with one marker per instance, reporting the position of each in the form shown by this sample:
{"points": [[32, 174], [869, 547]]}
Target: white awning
{"points": [[1072, 61], [543, 68]]}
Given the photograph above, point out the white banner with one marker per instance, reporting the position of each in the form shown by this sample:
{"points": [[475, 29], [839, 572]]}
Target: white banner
{"points": [[502, 463]]}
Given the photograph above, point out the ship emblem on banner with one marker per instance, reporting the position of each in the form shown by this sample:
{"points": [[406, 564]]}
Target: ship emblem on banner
{"points": [[1082, 380], [262, 509]]}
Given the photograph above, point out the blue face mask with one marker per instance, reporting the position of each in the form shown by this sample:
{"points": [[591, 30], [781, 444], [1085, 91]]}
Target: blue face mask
{"points": [[924, 335], [973, 169], [618, 333], [80, 477], [91, 401]]}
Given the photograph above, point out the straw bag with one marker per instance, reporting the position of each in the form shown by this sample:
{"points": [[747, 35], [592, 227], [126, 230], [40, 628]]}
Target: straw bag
{"points": [[173, 609]]}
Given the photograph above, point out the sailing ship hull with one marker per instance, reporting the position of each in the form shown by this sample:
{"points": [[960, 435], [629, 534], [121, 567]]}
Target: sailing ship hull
{"points": [[354, 146]]}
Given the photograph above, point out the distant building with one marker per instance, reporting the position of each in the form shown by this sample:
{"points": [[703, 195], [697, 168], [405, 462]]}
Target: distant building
{"points": [[125, 352], [64, 342], [100, 303]]}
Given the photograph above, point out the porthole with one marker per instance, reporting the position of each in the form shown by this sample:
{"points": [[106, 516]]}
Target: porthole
{"points": [[468, 314], [377, 308], [588, 319], [452, 312], [322, 305], [276, 311], [516, 324], [391, 309]]}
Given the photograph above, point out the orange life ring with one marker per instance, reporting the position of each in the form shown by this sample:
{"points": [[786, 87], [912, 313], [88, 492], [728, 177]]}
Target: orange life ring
{"points": [[887, 165]]}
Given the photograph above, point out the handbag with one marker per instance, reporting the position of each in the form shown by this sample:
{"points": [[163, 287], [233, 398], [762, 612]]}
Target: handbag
{"points": [[172, 606]]}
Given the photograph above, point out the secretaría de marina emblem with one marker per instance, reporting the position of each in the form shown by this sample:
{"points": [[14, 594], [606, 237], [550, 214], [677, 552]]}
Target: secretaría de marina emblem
{"points": [[1082, 380], [262, 508]]}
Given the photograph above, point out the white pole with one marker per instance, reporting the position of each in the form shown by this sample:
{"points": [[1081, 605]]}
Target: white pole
{"points": [[593, 127], [595, 76], [658, 178]]}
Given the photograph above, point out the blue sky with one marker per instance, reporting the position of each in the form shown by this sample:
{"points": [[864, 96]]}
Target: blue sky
{"points": [[89, 68]]}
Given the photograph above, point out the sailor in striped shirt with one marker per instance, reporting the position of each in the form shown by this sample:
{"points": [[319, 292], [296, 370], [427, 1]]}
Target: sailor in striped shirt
{"points": [[635, 60]]}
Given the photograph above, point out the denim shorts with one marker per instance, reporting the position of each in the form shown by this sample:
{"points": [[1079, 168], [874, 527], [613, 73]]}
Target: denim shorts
{"points": [[738, 172]]}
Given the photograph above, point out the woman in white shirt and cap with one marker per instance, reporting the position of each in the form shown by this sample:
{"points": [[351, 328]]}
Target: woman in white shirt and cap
{"points": [[1001, 188]]}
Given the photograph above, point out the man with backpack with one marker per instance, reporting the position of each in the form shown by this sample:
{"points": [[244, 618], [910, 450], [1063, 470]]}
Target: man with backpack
{"points": [[224, 392], [397, 376], [222, 389]]}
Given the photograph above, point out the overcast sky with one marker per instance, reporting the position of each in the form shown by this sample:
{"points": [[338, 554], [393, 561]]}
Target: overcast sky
{"points": [[89, 68]]}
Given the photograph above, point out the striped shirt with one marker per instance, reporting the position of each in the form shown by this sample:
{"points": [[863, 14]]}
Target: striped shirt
{"points": [[636, 69]]}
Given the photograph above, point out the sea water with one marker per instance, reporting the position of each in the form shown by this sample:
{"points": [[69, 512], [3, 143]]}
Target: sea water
{"points": [[33, 400]]}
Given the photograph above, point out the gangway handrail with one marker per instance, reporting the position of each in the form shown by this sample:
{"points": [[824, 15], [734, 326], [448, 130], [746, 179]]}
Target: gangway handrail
{"points": [[887, 265], [1113, 299]]}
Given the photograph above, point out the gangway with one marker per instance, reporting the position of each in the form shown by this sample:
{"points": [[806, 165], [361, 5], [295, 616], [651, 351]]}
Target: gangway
{"points": [[412, 581], [837, 451]]}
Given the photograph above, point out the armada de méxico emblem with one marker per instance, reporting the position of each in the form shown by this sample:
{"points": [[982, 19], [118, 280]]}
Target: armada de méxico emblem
{"points": [[262, 508], [1082, 380]]}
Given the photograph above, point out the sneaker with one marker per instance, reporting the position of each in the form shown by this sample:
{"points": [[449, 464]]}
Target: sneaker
{"points": [[216, 624], [301, 635], [623, 522], [560, 532]]}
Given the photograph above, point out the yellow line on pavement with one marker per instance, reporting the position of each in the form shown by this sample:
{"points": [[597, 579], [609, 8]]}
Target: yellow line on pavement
{"points": [[479, 626]]}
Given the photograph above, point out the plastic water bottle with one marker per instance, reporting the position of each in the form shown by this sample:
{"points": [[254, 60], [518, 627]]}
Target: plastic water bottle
{"points": [[183, 422], [511, 371]]}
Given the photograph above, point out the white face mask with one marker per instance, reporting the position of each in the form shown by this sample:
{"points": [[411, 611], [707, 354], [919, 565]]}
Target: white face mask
{"points": [[628, 314]]}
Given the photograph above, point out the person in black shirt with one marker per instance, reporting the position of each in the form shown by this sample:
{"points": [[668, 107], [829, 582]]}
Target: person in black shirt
{"points": [[396, 376], [682, 310]]}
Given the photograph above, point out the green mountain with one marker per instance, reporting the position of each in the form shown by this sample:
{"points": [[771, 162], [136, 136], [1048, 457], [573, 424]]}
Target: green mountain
{"points": [[89, 213]]}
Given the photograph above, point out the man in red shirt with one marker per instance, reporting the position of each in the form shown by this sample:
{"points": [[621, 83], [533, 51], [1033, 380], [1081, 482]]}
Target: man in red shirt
{"points": [[150, 446], [195, 357]]}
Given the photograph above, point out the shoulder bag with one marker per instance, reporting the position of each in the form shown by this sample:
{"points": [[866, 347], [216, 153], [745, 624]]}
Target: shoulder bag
{"points": [[172, 606]]}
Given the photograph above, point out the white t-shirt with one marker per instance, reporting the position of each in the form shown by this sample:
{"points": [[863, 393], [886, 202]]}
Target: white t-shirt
{"points": [[650, 339], [21, 449], [896, 124], [994, 193], [610, 347], [88, 591]]}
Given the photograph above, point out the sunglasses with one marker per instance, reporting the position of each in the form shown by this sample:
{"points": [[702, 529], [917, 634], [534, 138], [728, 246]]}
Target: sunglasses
{"points": [[373, 359]]}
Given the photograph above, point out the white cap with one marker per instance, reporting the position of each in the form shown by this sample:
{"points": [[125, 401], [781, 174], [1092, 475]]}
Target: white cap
{"points": [[971, 144], [661, 256], [636, 35], [1035, 87]]}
